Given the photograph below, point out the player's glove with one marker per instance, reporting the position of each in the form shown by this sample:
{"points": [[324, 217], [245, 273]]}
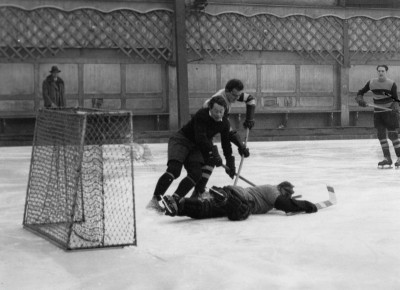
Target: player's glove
{"points": [[249, 121], [361, 101], [214, 159], [244, 151], [310, 207], [230, 166], [248, 124], [235, 138]]}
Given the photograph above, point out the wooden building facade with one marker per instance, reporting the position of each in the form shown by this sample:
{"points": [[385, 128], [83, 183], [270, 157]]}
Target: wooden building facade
{"points": [[303, 60]]}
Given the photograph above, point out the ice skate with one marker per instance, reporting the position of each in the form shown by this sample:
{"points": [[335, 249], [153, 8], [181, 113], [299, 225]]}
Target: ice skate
{"points": [[154, 205], [397, 163], [171, 204], [385, 162]]}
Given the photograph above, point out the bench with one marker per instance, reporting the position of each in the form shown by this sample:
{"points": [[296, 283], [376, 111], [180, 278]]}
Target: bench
{"points": [[31, 115]]}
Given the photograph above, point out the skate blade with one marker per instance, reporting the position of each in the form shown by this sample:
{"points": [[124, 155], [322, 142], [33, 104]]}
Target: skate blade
{"points": [[383, 167]]}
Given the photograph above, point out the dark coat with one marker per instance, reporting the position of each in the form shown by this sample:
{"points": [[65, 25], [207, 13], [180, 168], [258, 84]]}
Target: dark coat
{"points": [[53, 92]]}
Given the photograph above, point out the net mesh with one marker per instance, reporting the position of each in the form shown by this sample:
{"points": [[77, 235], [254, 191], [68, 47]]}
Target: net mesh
{"points": [[80, 189]]}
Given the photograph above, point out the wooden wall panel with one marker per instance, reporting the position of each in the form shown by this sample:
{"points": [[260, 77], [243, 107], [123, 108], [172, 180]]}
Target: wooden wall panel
{"points": [[16, 79], [144, 104], [316, 78], [108, 104], [69, 74], [17, 106], [286, 101], [197, 103], [144, 78], [247, 73], [394, 74], [278, 78], [71, 102], [101, 79], [202, 78], [359, 75], [316, 102]]}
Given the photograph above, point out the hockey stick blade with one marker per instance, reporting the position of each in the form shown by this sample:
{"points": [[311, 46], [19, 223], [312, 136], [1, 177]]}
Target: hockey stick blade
{"points": [[323, 204], [332, 199]]}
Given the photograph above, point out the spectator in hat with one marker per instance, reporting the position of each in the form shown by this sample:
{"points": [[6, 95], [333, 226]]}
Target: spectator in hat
{"points": [[53, 90]]}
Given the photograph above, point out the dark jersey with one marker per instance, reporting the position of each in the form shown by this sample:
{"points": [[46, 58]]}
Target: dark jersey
{"points": [[264, 198], [202, 128], [385, 92]]}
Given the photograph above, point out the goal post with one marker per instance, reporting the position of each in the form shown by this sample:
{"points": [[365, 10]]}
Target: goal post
{"points": [[80, 192]]}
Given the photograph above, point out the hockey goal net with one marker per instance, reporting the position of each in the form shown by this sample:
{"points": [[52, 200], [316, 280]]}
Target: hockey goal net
{"points": [[80, 191]]}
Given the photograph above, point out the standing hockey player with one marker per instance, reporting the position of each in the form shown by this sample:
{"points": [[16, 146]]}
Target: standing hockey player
{"points": [[237, 203], [192, 147], [233, 92], [385, 95]]}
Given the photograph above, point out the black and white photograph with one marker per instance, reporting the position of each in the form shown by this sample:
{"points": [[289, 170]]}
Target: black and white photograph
{"points": [[197, 144]]}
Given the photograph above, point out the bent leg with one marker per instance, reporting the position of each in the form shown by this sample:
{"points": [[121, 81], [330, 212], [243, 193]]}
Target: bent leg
{"points": [[194, 175], [200, 209], [394, 137], [173, 171], [206, 172], [381, 132]]}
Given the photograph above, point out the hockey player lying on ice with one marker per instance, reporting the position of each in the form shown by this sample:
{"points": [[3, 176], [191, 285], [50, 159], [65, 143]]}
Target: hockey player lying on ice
{"points": [[237, 203]]}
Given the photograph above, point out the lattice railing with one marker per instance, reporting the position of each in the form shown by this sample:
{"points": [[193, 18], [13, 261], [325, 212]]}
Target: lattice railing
{"points": [[148, 36], [47, 31], [374, 39], [319, 39]]}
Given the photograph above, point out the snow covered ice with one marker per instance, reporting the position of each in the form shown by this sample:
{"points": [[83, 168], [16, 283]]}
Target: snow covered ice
{"points": [[351, 245]]}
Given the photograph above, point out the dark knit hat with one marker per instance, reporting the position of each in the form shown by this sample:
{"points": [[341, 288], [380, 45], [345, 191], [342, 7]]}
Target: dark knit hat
{"points": [[285, 187]]}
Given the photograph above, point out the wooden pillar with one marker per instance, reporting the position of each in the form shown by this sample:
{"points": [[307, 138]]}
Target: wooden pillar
{"points": [[344, 78], [181, 63], [81, 92], [37, 84], [172, 99], [123, 86]]}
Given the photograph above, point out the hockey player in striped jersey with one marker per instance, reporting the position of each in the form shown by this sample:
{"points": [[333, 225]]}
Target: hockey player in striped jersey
{"points": [[232, 92], [237, 203], [385, 96]]}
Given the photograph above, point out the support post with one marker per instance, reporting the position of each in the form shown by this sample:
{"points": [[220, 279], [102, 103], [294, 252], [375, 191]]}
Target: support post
{"points": [[172, 99], [181, 62], [344, 78]]}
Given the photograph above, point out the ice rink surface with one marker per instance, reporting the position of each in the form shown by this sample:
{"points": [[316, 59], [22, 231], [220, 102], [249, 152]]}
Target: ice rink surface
{"points": [[352, 245]]}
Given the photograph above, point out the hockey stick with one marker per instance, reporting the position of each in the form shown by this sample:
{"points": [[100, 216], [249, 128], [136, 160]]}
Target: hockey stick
{"points": [[383, 108], [379, 107], [242, 159], [331, 201], [322, 204], [239, 176]]}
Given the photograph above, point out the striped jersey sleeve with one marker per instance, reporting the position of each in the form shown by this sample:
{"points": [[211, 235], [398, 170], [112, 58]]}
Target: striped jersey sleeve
{"points": [[247, 98]]}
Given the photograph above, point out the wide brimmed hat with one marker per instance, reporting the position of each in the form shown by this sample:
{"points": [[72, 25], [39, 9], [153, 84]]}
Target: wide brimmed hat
{"points": [[54, 69]]}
